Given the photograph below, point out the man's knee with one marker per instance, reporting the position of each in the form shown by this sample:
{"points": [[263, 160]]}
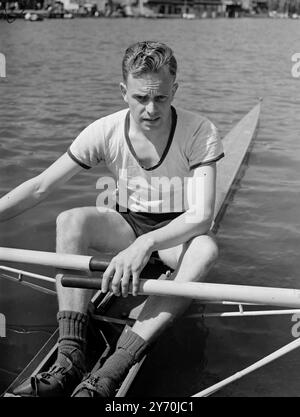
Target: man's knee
{"points": [[67, 220], [70, 225], [204, 248]]}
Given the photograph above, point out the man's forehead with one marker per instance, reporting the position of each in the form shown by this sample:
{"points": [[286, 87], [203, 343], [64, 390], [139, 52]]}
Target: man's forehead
{"points": [[160, 81]]}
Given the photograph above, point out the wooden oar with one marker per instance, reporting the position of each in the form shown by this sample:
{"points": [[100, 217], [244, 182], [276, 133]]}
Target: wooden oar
{"points": [[203, 291], [56, 260], [259, 364]]}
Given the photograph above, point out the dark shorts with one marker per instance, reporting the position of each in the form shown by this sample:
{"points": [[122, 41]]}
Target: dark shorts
{"points": [[142, 223]]}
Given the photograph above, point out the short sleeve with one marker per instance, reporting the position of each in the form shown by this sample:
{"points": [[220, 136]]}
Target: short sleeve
{"points": [[205, 146], [88, 148]]}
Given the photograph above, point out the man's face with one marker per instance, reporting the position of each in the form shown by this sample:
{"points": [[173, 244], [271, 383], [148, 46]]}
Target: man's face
{"points": [[149, 97]]}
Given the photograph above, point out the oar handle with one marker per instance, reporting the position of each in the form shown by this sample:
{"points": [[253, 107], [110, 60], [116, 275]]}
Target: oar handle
{"points": [[98, 264], [81, 282]]}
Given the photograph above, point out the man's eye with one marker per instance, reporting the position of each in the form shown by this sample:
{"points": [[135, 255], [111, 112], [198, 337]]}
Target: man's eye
{"points": [[161, 99], [141, 99]]}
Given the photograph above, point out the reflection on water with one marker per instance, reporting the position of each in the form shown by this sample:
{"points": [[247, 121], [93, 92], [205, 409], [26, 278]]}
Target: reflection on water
{"points": [[62, 75]]}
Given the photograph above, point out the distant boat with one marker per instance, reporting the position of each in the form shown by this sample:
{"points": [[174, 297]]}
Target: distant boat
{"points": [[188, 16], [68, 16], [33, 17]]}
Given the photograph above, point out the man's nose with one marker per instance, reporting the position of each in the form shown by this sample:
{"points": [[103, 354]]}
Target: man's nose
{"points": [[151, 107]]}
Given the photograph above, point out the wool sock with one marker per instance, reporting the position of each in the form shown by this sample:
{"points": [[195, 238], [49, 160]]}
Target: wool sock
{"points": [[129, 350], [72, 338]]}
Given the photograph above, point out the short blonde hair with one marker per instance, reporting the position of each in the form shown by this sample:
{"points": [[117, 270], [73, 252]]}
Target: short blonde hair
{"points": [[148, 56]]}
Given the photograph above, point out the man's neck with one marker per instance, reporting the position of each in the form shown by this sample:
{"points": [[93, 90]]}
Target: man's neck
{"points": [[153, 135]]}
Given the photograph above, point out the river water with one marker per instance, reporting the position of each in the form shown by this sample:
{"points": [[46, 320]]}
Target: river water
{"points": [[62, 75]]}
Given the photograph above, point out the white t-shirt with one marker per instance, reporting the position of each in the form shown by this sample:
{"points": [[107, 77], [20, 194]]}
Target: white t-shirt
{"points": [[193, 141]]}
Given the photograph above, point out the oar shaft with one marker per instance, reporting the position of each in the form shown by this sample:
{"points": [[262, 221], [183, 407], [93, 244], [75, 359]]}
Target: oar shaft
{"points": [[64, 261], [203, 291], [270, 358]]}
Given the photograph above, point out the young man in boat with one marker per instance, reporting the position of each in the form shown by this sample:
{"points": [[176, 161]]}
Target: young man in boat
{"points": [[141, 145]]}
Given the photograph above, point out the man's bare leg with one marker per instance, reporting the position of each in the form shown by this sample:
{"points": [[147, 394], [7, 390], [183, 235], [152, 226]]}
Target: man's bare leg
{"points": [[78, 230], [191, 261]]}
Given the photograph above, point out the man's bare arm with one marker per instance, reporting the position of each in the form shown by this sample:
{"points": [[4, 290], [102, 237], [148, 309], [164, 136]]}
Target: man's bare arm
{"points": [[35, 190], [197, 219], [194, 222]]}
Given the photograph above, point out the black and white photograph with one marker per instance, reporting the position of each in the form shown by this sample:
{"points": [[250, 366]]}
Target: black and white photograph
{"points": [[149, 201]]}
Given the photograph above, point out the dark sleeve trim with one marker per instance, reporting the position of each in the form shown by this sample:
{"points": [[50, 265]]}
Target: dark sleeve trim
{"points": [[211, 161], [77, 160]]}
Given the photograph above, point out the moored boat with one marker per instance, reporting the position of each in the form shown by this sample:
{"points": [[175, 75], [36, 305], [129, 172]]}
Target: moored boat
{"points": [[33, 17]]}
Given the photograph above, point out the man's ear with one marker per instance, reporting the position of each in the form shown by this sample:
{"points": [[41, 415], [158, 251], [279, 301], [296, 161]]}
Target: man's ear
{"points": [[124, 92], [174, 89]]}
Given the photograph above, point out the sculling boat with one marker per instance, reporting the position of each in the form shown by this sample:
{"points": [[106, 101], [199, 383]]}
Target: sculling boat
{"points": [[109, 314]]}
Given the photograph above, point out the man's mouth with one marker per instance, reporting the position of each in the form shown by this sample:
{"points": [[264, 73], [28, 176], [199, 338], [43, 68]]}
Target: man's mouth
{"points": [[150, 119]]}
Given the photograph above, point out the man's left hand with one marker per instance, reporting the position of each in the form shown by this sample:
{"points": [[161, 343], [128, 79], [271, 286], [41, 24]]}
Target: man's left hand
{"points": [[126, 266]]}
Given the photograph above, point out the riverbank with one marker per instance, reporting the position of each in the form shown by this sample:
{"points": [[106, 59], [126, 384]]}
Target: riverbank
{"points": [[39, 15]]}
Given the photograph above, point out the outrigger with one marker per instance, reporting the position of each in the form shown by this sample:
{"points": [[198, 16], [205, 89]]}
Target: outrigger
{"points": [[107, 311]]}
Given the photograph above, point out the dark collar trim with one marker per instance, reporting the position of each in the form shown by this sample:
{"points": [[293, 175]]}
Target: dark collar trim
{"points": [[170, 139]]}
